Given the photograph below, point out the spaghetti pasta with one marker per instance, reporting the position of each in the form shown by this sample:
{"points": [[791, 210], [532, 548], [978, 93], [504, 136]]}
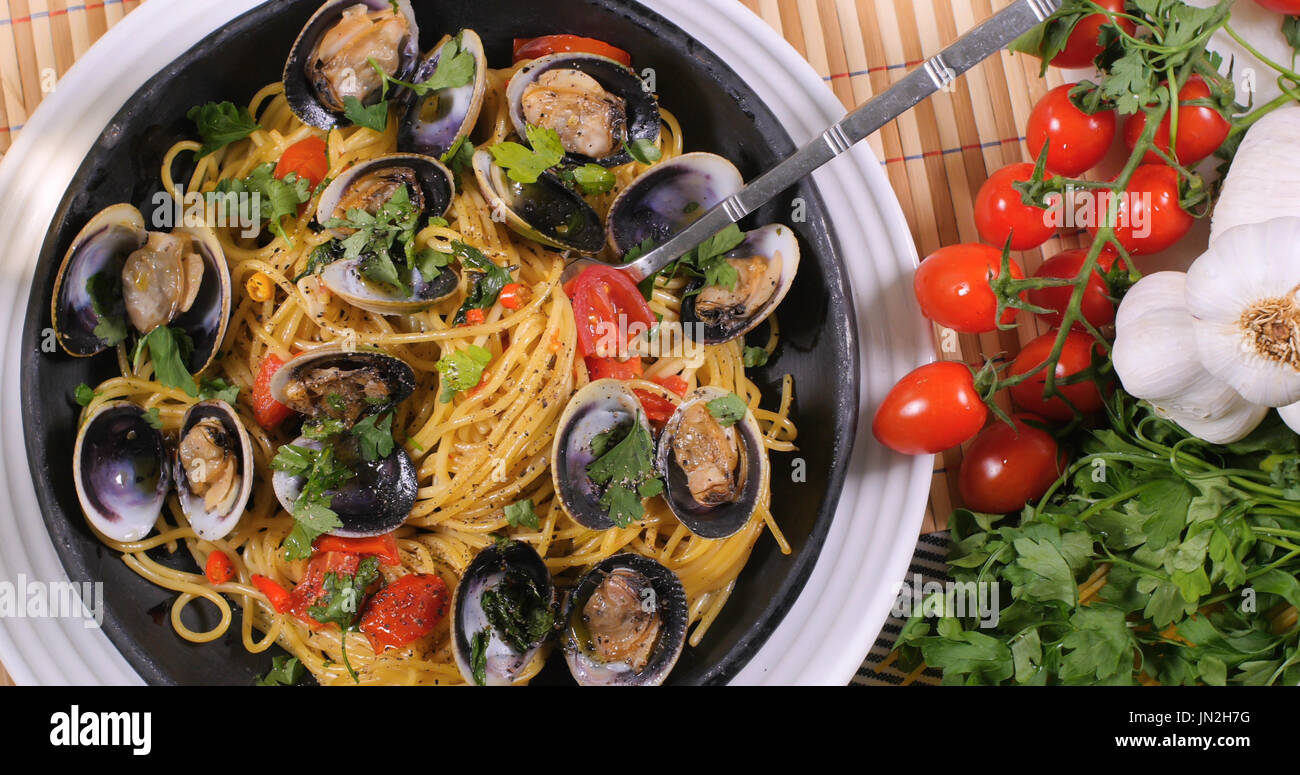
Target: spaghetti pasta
{"points": [[474, 456]]}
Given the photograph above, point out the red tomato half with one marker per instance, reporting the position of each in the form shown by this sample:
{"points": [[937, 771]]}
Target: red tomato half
{"points": [[1000, 212], [1097, 308], [1149, 217], [404, 611], [952, 286], [1201, 130], [608, 309], [1076, 142], [1075, 357], [268, 412], [312, 585], [308, 158], [613, 368], [1083, 47], [1006, 467], [383, 547], [931, 409], [1288, 7], [532, 48]]}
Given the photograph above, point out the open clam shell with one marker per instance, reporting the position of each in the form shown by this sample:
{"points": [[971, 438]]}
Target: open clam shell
{"points": [[598, 408], [364, 382], [376, 500], [625, 623], [668, 198], [509, 569], [121, 472], [432, 124], [723, 315], [101, 248], [208, 317], [216, 424], [713, 475], [311, 75], [638, 111], [547, 211]]}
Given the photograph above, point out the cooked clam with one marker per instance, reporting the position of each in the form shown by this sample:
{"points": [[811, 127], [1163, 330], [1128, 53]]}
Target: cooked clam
{"points": [[713, 472], [595, 104], [213, 469], [119, 467], [765, 265], [377, 498], [601, 407], [433, 124], [668, 198], [343, 384], [97, 255], [547, 211], [625, 623], [503, 611], [330, 62]]}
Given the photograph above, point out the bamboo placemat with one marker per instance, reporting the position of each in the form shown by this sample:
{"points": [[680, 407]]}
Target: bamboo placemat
{"points": [[935, 156]]}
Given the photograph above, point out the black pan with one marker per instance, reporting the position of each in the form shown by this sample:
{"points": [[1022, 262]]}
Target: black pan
{"points": [[718, 112]]}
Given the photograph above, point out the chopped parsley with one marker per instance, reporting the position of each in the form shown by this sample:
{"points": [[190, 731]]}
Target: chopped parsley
{"points": [[168, 348], [285, 671], [371, 117], [456, 67], [220, 124], [522, 513], [462, 370], [728, 410], [625, 468], [590, 179], [518, 611], [708, 259], [478, 656], [755, 356], [105, 291], [460, 156], [276, 197], [341, 603], [218, 389], [85, 394], [311, 510], [375, 436], [154, 417], [644, 151], [487, 281], [525, 164], [380, 237]]}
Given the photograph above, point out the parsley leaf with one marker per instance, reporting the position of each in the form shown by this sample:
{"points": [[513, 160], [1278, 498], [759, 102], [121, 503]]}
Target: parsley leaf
{"points": [[373, 117], [460, 156], [375, 436], [462, 370], [311, 510], [627, 472], [708, 259], [220, 124], [168, 350], [728, 410], [340, 602], [644, 151], [268, 199], [285, 671], [486, 284], [517, 611], [755, 356], [526, 164], [105, 291], [219, 389], [478, 656], [85, 394], [590, 179], [522, 513], [154, 418]]}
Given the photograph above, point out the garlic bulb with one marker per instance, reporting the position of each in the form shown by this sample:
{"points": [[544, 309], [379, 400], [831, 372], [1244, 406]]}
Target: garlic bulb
{"points": [[1156, 358], [1242, 295], [1265, 174]]}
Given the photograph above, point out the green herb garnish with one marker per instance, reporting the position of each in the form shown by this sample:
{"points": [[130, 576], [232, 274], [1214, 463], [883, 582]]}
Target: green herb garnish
{"points": [[105, 291], [285, 671], [218, 389], [311, 511], [728, 410], [526, 164], [375, 436], [625, 468], [755, 356], [85, 394], [517, 611], [168, 348], [462, 370], [644, 151], [521, 513], [220, 124], [277, 198], [486, 284]]}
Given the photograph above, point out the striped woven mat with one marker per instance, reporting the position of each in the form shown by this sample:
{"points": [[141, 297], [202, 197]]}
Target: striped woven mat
{"points": [[936, 156]]}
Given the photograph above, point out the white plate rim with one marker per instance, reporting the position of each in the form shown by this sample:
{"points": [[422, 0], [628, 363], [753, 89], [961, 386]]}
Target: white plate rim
{"points": [[831, 626]]}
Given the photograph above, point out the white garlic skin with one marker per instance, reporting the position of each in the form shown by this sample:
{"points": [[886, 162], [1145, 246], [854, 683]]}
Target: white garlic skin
{"points": [[1265, 174]]}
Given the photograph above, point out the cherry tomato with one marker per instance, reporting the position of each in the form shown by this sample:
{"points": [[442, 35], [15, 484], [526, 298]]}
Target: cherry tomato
{"points": [[1201, 130], [1097, 308], [657, 408], [931, 409], [278, 596], [1006, 467], [608, 308], [1076, 142], [1076, 356], [268, 412], [1083, 47], [532, 48], [383, 547], [952, 285], [308, 158], [613, 368], [1000, 212], [404, 611], [1149, 217], [1288, 7], [219, 569]]}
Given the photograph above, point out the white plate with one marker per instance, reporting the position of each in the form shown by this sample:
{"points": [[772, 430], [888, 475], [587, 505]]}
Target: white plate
{"points": [[832, 625]]}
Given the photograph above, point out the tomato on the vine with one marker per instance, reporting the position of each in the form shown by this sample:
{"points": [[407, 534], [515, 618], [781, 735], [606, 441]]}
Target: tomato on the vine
{"points": [[931, 409], [1201, 130], [1000, 212], [1076, 356], [1076, 142], [1096, 307], [1006, 467], [1083, 45], [1149, 214], [952, 285]]}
